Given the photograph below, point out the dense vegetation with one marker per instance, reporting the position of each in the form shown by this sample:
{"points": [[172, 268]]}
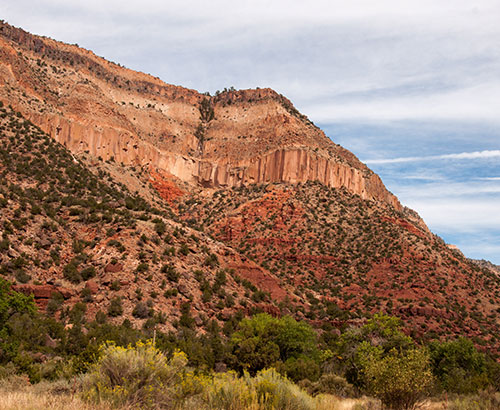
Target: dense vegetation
{"points": [[123, 365]]}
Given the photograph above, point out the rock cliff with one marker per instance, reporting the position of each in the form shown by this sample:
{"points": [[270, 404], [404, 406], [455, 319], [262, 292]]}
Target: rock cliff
{"points": [[231, 139]]}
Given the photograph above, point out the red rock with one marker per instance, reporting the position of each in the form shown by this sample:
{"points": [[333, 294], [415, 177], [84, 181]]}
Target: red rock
{"points": [[92, 286], [113, 267], [43, 291]]}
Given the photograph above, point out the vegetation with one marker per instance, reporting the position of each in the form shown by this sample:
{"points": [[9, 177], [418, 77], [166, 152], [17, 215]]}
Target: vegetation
{"points": [[265, 360]]}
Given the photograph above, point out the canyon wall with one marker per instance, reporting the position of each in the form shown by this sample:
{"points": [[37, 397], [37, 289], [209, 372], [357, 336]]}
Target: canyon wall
{"points": [[291, 165], [91, 105]]}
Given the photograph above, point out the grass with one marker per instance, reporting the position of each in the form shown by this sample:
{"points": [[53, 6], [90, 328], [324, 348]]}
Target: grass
{"points": [[36, 398], [17, 394]]}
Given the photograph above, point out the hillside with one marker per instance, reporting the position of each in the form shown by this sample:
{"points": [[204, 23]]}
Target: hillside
{"points": [[91, 105], [121, 190], [70, 236], [346, 257]]}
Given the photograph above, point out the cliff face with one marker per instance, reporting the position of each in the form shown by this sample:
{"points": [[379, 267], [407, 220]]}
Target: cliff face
{"points": [[231, 139], [295, 165]]}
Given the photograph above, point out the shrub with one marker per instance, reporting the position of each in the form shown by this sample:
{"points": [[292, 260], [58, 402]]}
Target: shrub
{"points": [[267, 390], [55, 302], [400, 379], [184, 249], [171, 273], [71, 273], [115, 307], [142, 267], [262, 341], [141, 377], [21, 276], [141, 310], [458, 366], [88, 272], [330, 383]]}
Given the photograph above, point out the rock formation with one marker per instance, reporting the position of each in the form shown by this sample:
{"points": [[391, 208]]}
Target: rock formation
{"points": [[234, 138]]}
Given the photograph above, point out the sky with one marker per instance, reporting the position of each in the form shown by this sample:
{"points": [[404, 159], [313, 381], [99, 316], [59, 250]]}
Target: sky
{"points": [[411, 87]]}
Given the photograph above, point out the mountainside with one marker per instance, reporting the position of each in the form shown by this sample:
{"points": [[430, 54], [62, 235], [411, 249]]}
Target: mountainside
{"points": [[91, 105], [172, 200], [69, 236]]}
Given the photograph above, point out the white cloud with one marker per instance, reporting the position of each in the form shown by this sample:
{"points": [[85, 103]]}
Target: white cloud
{"points": [[458, 215], [463, 155], [476, 103]]}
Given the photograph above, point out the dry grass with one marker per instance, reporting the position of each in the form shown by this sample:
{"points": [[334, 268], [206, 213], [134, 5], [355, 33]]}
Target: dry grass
{"points": [[16, 393], [29, 399]]}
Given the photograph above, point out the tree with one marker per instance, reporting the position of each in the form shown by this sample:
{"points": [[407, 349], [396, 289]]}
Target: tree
{"points": [[458, 366], [382, 331], [263, 341], [400, 379]]}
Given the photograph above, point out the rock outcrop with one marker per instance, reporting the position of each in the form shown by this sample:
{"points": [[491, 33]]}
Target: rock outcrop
{"points": [[234, 138]]}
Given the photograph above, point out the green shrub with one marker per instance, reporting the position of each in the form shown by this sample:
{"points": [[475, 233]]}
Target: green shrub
{"points": [[140, 376], [171, 273], [330, 383], [458, 366], [400, 379], [21, 276], [262, 341], [115, 307], [71, 273], [88, 272]]}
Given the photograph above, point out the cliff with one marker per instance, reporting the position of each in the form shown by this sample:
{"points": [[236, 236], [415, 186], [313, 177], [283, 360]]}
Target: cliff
{"points": [[231, 139]]}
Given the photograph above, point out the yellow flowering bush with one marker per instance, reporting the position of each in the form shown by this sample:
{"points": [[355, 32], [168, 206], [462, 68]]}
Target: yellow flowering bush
{"points": [[267, 390], [140, 376]]}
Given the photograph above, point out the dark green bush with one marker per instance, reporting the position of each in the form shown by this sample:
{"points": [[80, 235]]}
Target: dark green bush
{"points": [[115, 307]]}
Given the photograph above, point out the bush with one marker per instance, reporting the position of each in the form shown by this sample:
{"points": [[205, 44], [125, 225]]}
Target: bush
{"points": [[262, 341], [70, 272], [88, 273], [140, 376], [400, 379], [267, 390], [330, 383], [141, 310], [171, 273], [458, 366], [21, 276], [115, 307]]}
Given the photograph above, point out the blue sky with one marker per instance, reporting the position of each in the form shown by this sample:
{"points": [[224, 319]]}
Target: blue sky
{"points": [[405, 85]]}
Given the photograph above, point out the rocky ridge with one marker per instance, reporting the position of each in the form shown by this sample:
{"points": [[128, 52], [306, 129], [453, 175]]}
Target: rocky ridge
{"points": [[234, 138]]}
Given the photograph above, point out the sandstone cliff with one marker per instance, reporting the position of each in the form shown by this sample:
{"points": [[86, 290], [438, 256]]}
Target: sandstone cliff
{"points": [[231, 139]]}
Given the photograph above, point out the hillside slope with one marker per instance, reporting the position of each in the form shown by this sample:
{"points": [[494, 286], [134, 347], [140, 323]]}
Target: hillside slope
{"points": [[239, 204], [70, 236]]}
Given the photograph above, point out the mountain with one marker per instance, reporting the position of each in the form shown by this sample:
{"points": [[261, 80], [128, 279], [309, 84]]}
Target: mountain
{"points": [[236, 202]]}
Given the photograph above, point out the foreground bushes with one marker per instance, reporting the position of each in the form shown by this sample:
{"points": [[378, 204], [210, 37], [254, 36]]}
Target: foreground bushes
{"points": [[142, 377], [376, 359]]}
